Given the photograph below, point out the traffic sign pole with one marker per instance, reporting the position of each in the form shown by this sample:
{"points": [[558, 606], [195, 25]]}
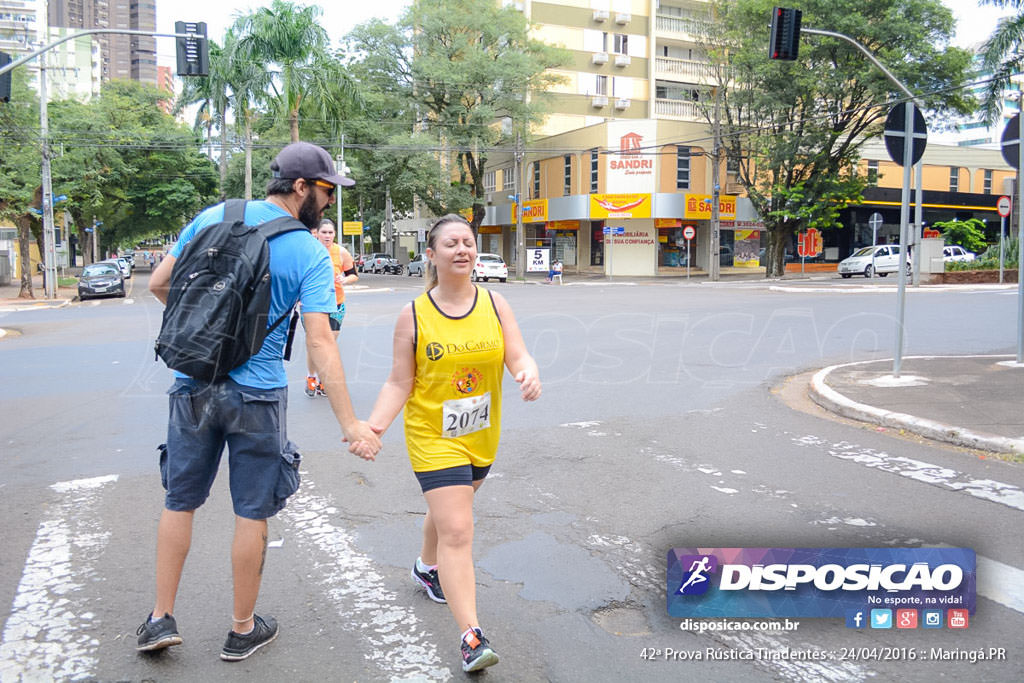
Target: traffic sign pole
{"points": [[908, 154], [1004, 206], [875, 222], [1011, 154], [1020, 267], [918, 209]]}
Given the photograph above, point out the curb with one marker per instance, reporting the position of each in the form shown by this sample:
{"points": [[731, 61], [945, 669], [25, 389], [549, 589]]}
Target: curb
{"points": [[830, 399]]}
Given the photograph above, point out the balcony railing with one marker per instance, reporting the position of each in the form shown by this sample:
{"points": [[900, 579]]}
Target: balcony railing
{"points": [[692, 28], [682, 68], [679, 109]]}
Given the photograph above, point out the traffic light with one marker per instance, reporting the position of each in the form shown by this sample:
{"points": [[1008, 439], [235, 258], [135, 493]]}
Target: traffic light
{"points": [[784, 42], [5, 79], [193, 53]]}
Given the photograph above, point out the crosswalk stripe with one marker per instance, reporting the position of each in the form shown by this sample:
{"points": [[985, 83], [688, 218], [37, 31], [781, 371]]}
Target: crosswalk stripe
{"points": [[365, 604], [1001, 583], [44, 638], [944, 477]]}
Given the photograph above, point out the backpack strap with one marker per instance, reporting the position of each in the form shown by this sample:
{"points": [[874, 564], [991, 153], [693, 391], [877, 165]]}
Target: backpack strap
{"points": [[234, 210], [280, 225], [270, 229]]}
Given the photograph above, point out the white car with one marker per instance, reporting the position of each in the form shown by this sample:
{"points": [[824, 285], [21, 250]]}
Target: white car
{"points": [[489, 266], [121, 263], [886, 260], [955, 252]]}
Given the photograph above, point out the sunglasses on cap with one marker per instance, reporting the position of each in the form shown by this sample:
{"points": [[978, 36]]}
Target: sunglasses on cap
{"points": [[328, 187]]}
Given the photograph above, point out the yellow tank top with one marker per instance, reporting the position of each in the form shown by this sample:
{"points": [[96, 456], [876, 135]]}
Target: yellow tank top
{"points": [[453, 415]]}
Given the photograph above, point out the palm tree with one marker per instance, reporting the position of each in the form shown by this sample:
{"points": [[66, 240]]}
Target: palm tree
{"points": [[1003, 56], [250, 83], [212, 94], [290, 37]]}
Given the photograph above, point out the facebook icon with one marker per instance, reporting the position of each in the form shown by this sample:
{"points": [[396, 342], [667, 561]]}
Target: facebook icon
{"points": [[855, 618]]}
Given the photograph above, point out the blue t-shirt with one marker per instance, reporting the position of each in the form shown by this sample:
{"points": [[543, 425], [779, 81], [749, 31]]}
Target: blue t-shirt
{"points": [[300, 271]]}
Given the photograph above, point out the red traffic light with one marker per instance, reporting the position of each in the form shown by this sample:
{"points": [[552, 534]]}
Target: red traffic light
{"points": [[784, 39]]}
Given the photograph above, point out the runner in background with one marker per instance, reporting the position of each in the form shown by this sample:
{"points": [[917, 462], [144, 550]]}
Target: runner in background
{"points": [[344, 274]]}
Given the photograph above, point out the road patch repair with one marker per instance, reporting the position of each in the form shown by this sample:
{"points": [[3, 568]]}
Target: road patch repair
{"points": [[969, 401]]}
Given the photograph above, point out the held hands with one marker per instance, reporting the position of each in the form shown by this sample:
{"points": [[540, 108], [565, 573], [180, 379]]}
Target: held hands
{"points": [[364, 441], [529, 385]]}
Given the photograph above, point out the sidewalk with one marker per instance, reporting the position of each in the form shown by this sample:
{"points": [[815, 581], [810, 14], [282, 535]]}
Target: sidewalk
{"points": [[971, 401], [9, 295]]}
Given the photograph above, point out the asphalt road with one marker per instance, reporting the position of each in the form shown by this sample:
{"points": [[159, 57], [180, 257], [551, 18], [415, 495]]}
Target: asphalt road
{"points": [[670, 418]]}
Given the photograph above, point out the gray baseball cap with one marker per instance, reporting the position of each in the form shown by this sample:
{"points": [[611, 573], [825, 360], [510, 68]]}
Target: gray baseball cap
{"points": [[306, 160]]}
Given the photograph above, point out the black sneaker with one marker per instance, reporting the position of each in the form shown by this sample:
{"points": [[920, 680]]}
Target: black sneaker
{"points": [[430, 582], [238, 647], [477, 653], [156, 635]]}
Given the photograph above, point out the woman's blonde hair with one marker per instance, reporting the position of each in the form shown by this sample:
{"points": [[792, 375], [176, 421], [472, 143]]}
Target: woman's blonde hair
{"points": [[430, 279]]}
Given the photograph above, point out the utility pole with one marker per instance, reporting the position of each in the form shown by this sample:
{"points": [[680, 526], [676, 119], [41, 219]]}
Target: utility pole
{"points": [[520, 186], [50, 257], [388, 222], [340, 164], [713, 263]]}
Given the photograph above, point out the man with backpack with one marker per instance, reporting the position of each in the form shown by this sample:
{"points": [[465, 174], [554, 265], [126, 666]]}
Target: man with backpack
{"points": [[227, 258]]}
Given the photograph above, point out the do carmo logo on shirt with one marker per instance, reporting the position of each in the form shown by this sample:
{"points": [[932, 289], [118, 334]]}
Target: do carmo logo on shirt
{"points": [[434, 351]]}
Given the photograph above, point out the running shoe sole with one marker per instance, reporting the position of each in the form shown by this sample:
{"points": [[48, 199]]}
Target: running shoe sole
{"points": [[489, 658], [166, 641], [239, 657], [426, 586]]}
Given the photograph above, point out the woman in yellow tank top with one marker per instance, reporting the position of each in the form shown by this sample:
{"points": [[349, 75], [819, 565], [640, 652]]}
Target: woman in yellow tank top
{"points": [[451, 347]]}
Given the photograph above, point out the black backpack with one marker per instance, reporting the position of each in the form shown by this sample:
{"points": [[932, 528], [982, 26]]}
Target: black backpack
{"points": [[218, 306]]}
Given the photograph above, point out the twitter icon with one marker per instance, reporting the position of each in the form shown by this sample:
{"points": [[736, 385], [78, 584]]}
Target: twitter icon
{"points": [[881, 618]]}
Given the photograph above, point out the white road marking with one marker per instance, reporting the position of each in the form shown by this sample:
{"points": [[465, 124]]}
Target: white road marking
{"points": [[987, 489], [849, 521], [398, 642], [1001, 583], [48, 635]]}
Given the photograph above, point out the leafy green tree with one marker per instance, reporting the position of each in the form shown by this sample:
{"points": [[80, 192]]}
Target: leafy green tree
{"points": [[794, 129], [126, 163], [389, 154], [969, 234], [445, 84], [469, 65], [19, 168]]}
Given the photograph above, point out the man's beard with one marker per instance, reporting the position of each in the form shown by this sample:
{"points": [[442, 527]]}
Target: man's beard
{"points": [[309, 214]]}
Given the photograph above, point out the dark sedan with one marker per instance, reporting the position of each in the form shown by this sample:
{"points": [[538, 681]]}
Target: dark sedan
{"points": [[100, 279]]}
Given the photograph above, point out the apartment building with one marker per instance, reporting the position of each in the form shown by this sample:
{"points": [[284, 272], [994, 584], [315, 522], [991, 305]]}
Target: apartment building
{"points": [[121, 57], [73, 68], [626, 146], [19, 31]]}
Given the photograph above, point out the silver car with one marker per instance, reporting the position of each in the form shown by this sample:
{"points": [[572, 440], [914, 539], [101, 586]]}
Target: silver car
{"points": [[418, 266]]}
